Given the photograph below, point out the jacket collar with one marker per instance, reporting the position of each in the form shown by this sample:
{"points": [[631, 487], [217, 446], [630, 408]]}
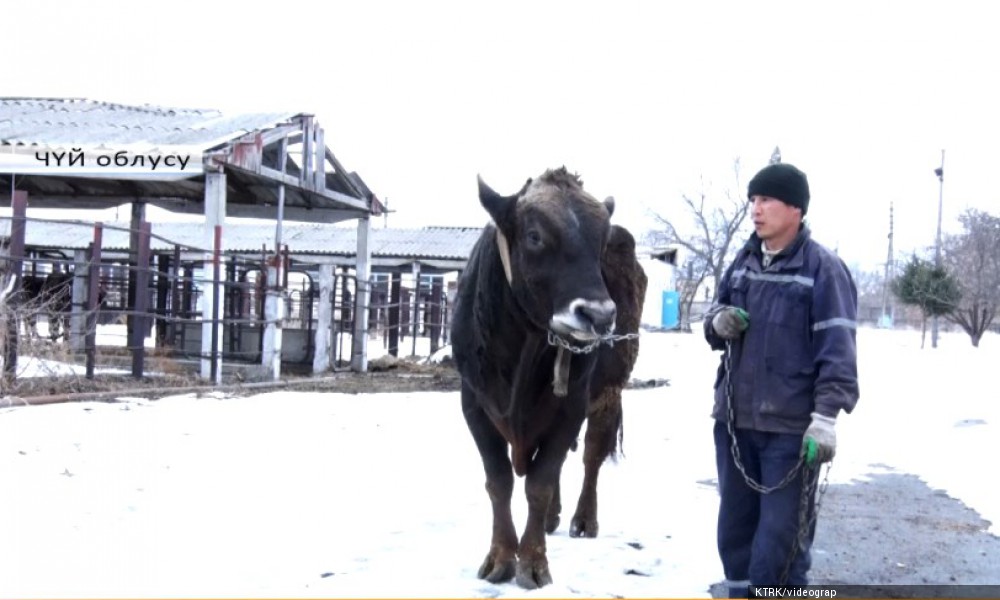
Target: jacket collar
{"points": [[792, 257]]}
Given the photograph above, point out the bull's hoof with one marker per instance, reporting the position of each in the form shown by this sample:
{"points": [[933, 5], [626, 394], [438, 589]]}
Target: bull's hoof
{"points": [[497, 570], [533, 574], [580, 527]]}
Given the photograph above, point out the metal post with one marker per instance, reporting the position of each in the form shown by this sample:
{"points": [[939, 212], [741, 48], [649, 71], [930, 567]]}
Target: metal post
{"points": [[215, 370], [395, 299], [215, 216], [274, 316], [274, 313], [19, 209], [362, 292], [416, 306], [176, 310], [887, 319], [93, 299], [162, 292], [937, 243], [140, 308], [436, 312], [138, 218], [321, 345], [235, 296], [78, 317]]}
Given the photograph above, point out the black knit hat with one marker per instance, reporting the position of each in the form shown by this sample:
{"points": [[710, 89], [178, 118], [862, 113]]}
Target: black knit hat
{"points": [[784, 182]]}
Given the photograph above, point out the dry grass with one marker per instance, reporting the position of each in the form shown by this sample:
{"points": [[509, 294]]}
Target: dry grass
{"points": [[48, 362]]}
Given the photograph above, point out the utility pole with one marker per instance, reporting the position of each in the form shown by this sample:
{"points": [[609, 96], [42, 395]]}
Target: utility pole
{"points": [[890, 272], [937, 242]]}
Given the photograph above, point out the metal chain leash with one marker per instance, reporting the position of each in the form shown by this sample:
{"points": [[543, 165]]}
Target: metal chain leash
{"points": [[734, 447], [810, 475], [556, 340], [807, 518]]}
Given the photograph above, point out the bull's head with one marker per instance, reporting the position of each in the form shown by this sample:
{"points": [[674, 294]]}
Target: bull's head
{"points": [[551, 236]]}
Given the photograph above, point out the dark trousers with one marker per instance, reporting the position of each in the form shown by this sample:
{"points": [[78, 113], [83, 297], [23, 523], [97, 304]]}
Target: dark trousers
{"points": [[757, 533]]}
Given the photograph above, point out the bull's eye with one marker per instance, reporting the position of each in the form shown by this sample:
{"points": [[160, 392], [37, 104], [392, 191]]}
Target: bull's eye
{"points": [[533, 239]]}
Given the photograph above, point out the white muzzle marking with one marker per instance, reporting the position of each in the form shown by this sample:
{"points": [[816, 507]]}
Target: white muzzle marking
{"points": [[569, 322]]}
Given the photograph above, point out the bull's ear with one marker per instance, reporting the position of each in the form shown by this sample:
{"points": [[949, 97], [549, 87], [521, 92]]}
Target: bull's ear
{"points": [[609, 203], [499, 207]]}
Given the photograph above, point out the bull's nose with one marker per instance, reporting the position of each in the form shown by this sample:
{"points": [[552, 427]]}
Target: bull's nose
{"points": [[600, 314]]}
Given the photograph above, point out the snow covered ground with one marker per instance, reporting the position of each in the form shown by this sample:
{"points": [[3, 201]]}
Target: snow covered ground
{"points": [[329, 495]]}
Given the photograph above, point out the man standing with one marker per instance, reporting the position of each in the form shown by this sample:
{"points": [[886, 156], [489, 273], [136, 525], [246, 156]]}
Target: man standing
{"points": [[786, 317]]}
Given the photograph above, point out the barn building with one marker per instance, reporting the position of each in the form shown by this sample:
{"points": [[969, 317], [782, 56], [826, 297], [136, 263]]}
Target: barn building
{"points": [[69, 153]]}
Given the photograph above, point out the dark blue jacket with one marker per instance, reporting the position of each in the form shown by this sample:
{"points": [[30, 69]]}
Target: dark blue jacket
{"points": [[799, 354]]}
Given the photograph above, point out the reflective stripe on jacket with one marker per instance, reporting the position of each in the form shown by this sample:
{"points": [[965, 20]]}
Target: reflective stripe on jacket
{"points": [[799, 353]]}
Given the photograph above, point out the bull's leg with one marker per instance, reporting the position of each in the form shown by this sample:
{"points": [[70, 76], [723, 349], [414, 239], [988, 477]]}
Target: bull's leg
{"points": [[500, 561], [601, 441], [540, 486], [555, 509]]}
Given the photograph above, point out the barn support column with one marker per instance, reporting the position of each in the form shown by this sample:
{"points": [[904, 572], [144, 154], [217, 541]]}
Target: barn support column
{"points": [[162, 293], [415, 321], [274, 315], [321, 352], [215, 214], [140, 320], [78, 302], [274, 304], [176, 309], [132, 320], [362, 291], [436, 313], [93, 298], [395, 289], [19, 213]]}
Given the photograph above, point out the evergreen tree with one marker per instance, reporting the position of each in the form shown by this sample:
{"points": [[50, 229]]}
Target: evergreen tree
{"points": [[930, 288]]}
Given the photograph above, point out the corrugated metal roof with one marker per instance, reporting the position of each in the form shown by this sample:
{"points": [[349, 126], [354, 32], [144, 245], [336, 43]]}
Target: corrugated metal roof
{"points": [[243, 143], [442, 243], [89, 123]]}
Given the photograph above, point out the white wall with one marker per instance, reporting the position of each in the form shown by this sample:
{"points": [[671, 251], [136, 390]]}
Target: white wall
{"points": [[660, 276]]}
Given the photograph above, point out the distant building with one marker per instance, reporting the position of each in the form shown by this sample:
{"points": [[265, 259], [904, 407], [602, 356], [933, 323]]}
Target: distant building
{"points": [[661, 307]]}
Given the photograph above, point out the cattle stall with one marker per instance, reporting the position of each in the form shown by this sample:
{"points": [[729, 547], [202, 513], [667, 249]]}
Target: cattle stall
{"points": [[409, 291], [76, 154]]}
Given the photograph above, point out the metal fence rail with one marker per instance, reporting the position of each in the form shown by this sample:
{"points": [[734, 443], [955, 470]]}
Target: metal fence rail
{"points": [[103, 305]]}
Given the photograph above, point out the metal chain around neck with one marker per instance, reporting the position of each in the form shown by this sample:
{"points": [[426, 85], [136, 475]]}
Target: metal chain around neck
{"points": [[556, 340]]}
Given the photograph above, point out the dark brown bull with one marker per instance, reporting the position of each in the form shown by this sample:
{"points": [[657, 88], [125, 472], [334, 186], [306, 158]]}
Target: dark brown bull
{"points": [[27, 302], [546, 284], [49, 295]]}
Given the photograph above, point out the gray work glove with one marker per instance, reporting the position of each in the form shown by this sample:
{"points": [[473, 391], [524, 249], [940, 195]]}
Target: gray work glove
{"points": [[823, 439], [730, 322]]}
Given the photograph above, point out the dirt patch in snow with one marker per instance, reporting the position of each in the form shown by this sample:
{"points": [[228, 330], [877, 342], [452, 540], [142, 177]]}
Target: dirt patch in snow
{"points": [[895, 530]]}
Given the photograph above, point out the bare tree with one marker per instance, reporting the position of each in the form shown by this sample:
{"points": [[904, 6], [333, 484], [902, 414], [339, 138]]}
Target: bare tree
{"points": [[973, 258], [710, 231], [871, 287], [20, 311], [6, 319]]}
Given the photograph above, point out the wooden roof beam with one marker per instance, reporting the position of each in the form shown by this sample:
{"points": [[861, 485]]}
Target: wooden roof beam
{"points": [[325, 192]]}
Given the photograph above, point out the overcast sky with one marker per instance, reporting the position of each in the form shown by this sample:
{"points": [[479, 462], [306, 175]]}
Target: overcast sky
{"points": [[643, 99]]}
